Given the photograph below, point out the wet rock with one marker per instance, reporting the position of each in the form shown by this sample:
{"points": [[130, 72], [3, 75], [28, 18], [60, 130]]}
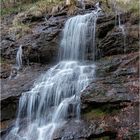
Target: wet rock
{"points": [[40, 46], [112, 44], [18, 84], [112, 99], [104, 28], [12, 89], [81, 130], [112, 41], [101, 124], [59, 9], [5, 49], [8, 108], [5, 70], [6, 125]]}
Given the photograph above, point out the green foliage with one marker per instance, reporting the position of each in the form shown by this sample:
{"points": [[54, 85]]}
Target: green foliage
{"points": [[23, 6], [5, 11], [14, 6], [16, 9]]}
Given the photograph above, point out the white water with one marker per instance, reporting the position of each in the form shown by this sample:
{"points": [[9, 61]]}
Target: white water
{"points": [[122, 28], [77, 32], [73, 42], [120, 25], [18, 64], [95, 12], [19, 58], [55, 96]]}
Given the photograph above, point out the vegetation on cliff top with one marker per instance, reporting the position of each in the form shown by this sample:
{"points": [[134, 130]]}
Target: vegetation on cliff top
{"points": [[15, 6]]}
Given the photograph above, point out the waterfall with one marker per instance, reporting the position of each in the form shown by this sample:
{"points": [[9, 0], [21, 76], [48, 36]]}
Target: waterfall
{"points": [[78, 30], [122, 28], [120, 25], [76, 33], [55, 96], [18, 64], [19, 58]]}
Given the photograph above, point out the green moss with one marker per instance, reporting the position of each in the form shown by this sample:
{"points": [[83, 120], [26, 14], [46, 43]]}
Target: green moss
{"points": [[5, 11], [110, 109], [135, 137], [101, 111], [2, 61], [94, 113]]}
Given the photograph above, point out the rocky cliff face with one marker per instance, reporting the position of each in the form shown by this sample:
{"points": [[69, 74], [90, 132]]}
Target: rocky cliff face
{"points": [[109, 104]]}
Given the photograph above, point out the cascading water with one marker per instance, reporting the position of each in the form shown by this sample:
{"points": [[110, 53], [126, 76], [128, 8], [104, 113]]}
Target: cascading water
{"points": [[18, 64], [120, 25], [56, 95], [122, 28], [19, 57]]}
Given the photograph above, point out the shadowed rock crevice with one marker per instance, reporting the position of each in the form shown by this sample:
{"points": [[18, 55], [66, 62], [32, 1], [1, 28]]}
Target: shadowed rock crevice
{"points": [[9, 108], [106, 135]]}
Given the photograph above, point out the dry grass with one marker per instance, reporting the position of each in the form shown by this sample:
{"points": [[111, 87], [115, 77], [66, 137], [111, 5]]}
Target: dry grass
{"points": [[41, 5], [131, 5], [19, 30], [121, 5], [35, 10]]}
